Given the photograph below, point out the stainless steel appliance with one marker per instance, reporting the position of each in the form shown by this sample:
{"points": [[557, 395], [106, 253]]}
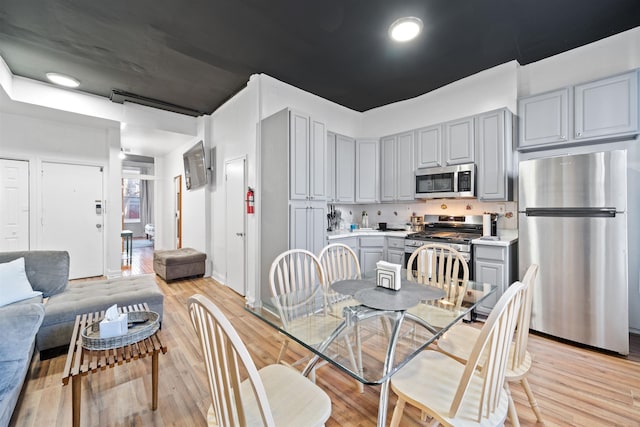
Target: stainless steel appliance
{"points": [[454, 231], [449, 181], [573, 224]]}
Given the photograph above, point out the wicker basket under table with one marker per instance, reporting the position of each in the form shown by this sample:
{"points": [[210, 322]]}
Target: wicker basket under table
{"points": [[81, 361]]}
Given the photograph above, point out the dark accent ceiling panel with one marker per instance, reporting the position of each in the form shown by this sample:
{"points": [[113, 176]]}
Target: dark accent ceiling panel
{"points": [[196, 54]]}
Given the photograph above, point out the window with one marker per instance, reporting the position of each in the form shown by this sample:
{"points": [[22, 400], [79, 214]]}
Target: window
{"points": [[131, 199]]}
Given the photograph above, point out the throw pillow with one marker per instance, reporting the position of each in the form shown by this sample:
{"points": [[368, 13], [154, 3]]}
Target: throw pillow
{"points": [[14, 285]]}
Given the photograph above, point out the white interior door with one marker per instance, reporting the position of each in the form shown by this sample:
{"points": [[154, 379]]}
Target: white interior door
{"points": [[236, 189], [14, 205], [72, 218]]}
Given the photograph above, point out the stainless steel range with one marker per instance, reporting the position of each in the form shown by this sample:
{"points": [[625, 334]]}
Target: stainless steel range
{"points": [[454, 231]]}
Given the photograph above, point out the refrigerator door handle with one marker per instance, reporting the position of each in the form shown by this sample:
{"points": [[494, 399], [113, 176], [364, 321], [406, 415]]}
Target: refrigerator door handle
{"points": [[572, 212]]}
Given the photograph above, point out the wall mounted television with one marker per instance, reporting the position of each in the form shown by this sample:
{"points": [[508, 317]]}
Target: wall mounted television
{"points": [[195, 167]]}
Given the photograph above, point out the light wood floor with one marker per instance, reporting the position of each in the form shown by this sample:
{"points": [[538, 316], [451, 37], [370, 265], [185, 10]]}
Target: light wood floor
{"points": [[574, 386]]}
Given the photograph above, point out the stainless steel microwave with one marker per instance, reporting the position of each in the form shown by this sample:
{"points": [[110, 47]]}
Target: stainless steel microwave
{"points": [[449, 181]]}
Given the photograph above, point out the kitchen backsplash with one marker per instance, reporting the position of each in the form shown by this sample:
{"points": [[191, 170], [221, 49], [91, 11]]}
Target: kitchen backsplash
{"points": [[398, 214]]}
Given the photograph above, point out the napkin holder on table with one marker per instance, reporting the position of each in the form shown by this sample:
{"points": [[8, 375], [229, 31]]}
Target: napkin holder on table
{"points": [[114, 324], [388, 275]]}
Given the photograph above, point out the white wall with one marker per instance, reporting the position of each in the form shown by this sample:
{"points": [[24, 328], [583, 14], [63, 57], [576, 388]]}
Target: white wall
{"points": [[40, 140], [488, 90]]}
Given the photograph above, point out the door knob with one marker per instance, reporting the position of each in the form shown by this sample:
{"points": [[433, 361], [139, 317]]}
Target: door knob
{"points": [[240, 234], [98, 226]]}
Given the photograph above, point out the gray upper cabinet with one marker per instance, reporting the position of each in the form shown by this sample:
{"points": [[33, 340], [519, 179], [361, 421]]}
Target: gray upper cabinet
{"points": [[607, 107], [459, 141], [331, 167], [396, 166], [494, 155], [345, 165], [545, 119], [429, 147], [598, 110], [367, 170], [307, 161]]}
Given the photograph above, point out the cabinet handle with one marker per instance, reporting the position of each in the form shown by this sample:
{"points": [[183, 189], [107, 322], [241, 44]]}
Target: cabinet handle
{"points": [[563, 137], [578, 133]]}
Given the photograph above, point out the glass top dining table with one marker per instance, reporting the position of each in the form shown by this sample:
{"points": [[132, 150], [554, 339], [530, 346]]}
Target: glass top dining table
{"points": [[386, 328]]}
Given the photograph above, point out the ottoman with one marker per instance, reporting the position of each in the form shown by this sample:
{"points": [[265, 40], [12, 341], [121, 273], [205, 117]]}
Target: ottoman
{"points": [[178, 263], [60, 310]]}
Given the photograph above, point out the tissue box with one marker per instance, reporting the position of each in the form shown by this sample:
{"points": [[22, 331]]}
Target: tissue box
{"points": [[388, 275], [114, 328]]}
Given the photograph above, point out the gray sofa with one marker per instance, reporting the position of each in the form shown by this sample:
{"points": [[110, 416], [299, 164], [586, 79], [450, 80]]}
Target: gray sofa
{"points": [[30, 323]]}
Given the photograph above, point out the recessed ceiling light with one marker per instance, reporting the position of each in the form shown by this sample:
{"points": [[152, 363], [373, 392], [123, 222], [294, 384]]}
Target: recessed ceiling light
{"points": [[62, 80], [405, 29]]}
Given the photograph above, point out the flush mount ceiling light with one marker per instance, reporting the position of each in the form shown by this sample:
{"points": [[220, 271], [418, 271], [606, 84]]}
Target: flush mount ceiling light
{"points": [[405, 29], [62, 80]]}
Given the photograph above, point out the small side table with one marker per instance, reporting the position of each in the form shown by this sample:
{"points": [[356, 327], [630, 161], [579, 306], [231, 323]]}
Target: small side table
{"points": [[80, 361], [127, 235]]}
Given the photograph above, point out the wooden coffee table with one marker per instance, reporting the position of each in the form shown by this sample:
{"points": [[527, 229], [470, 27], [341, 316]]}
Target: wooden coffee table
{"points": [[81, 361]]}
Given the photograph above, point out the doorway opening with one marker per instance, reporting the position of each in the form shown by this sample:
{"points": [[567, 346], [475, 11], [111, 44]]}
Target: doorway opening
{"points": [[138, 213]]}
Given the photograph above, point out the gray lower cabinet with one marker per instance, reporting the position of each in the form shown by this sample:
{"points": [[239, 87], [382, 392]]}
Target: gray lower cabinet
{"points": [[395, 250], [494, 156], [495, 265], [371, 251], [308, 222]]}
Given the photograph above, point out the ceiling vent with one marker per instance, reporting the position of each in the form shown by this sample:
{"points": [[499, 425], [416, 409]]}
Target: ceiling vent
{"points": [[120, 97]]}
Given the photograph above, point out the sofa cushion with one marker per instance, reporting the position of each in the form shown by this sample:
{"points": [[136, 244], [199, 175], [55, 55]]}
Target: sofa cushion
{"points": [[91, 296], [14, 285], [47, 271], [19, 324]]}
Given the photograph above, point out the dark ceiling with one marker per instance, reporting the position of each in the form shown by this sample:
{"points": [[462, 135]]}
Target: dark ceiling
{"points": [[198, 53]]}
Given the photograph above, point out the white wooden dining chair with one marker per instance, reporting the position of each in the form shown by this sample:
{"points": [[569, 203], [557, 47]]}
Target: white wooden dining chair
{"points": [[274, 395], [441, 266], [340, 262], [458, 342], [456, 394], [445, 268], [297, 282]]}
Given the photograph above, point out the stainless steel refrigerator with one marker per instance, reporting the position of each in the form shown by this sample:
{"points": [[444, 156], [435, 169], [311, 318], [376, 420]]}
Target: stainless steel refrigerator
{"points": [[573, 224]]}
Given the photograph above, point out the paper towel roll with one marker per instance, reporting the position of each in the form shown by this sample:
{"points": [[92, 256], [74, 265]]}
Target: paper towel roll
{"points": [[486, 225]]}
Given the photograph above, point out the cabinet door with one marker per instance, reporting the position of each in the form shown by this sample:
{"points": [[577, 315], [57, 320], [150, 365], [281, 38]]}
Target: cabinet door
{"points": [[429, 147], [405, 171], [493, 273], [345, 169], [367, 170], [492, 159], [395, 256], [607, 107], [388, 169], [298, 156], [544, 119], [317, 161], [369, 257], [316, 227], [298, 236], [459, 141], [331, 167]]}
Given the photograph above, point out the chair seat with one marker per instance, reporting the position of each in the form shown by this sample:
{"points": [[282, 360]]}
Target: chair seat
{"points": [[434, 378], [294, 400], [313, 329], [458, 341], [436, 316]]}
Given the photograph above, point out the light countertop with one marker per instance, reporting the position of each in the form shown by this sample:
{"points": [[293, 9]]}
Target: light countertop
{"points": [[505, 238], [346, 233]]}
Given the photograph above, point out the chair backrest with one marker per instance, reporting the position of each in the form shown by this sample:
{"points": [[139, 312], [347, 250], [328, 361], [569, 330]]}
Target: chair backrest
{"points": [[225, 357], [492, 349], [524, 319], [296, 279], [441, 266], [339, 262]]}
